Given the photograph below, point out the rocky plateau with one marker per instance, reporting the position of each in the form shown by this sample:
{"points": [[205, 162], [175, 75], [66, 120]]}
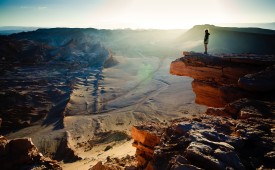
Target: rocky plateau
{"points": [[53, 89], [236, 132]]}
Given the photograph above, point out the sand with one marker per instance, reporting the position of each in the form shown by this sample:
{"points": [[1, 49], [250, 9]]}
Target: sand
{"points": [[119, 150], [100, 114]]}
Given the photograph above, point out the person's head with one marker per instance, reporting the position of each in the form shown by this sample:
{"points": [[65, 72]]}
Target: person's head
{"points": [[206, 31]]}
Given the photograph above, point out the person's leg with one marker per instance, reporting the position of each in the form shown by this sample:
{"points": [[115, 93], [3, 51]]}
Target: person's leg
{"points": [[205, 48]]}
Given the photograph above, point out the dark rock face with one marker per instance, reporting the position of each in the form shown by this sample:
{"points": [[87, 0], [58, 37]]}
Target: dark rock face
{"points": [[64, 151], [262, 81], [219, 80], [22, 154], [208, 142], [245, 108]]}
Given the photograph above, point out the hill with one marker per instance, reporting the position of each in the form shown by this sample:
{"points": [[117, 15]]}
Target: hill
{"points": [[230, 40], [7, 30]]}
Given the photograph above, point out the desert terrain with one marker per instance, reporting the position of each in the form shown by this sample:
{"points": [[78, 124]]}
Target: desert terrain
{"points": [[77, 93]]}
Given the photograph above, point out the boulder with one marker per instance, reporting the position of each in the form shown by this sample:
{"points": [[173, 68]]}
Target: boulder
{"points": [[100, 166], [124, 163], [145, 136], [200, 155], [21, 153], [3, 143]]}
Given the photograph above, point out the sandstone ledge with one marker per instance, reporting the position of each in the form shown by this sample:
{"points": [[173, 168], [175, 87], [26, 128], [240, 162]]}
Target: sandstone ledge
{"points": [[219, 80]]}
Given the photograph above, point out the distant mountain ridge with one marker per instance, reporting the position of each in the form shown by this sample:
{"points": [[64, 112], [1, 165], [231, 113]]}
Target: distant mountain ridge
{"points": [[251, 25], [7, 30], [222, 39], [231, 40]]}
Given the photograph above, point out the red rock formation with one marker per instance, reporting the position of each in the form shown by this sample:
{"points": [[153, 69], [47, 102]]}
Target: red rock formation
{"points": [[216, 141], [145, 139], [208, 142], [212, 94], [221, 80], [22, 154]]}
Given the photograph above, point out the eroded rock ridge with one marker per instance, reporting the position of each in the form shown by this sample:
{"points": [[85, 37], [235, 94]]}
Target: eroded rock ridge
{"points": [[237, 132]]}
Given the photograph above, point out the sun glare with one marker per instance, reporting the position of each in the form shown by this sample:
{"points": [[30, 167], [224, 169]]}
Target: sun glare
{"points": [[152, 14], [112, 14]]}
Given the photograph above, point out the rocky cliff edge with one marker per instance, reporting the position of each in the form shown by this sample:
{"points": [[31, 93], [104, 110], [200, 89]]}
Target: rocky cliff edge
{"points": [[236, 132]]}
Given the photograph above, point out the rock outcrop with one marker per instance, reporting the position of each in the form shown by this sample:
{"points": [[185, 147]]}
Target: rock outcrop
{"points": [[65, 151], [245, 108], [21, 153], [207, 142], [237, 135], [146, 137], [219, 80], [260, 82], [125, 163]]}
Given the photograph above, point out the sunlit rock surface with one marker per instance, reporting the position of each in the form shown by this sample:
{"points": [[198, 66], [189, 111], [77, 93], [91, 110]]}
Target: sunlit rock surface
{"points": [[222, 79], [237, 135], [208, 142], [21, 153], [146, 137]]}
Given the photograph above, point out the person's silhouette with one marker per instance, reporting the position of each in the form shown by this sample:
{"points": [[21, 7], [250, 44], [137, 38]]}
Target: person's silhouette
{"points": [[206, 39]]}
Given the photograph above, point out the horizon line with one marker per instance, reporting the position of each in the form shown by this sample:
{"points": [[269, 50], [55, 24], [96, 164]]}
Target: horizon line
{"points": [[131, 28]]}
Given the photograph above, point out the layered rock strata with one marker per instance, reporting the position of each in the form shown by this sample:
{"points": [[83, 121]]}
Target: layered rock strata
{"points": [[237, 135], [146, 137], [219, 80]]}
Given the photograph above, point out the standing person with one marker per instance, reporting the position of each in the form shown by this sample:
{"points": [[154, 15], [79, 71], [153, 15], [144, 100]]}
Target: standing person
{"points": [[206, 38]]}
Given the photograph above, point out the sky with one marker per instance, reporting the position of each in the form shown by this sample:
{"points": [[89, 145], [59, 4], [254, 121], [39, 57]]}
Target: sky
{"points": [[135, 14]]}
